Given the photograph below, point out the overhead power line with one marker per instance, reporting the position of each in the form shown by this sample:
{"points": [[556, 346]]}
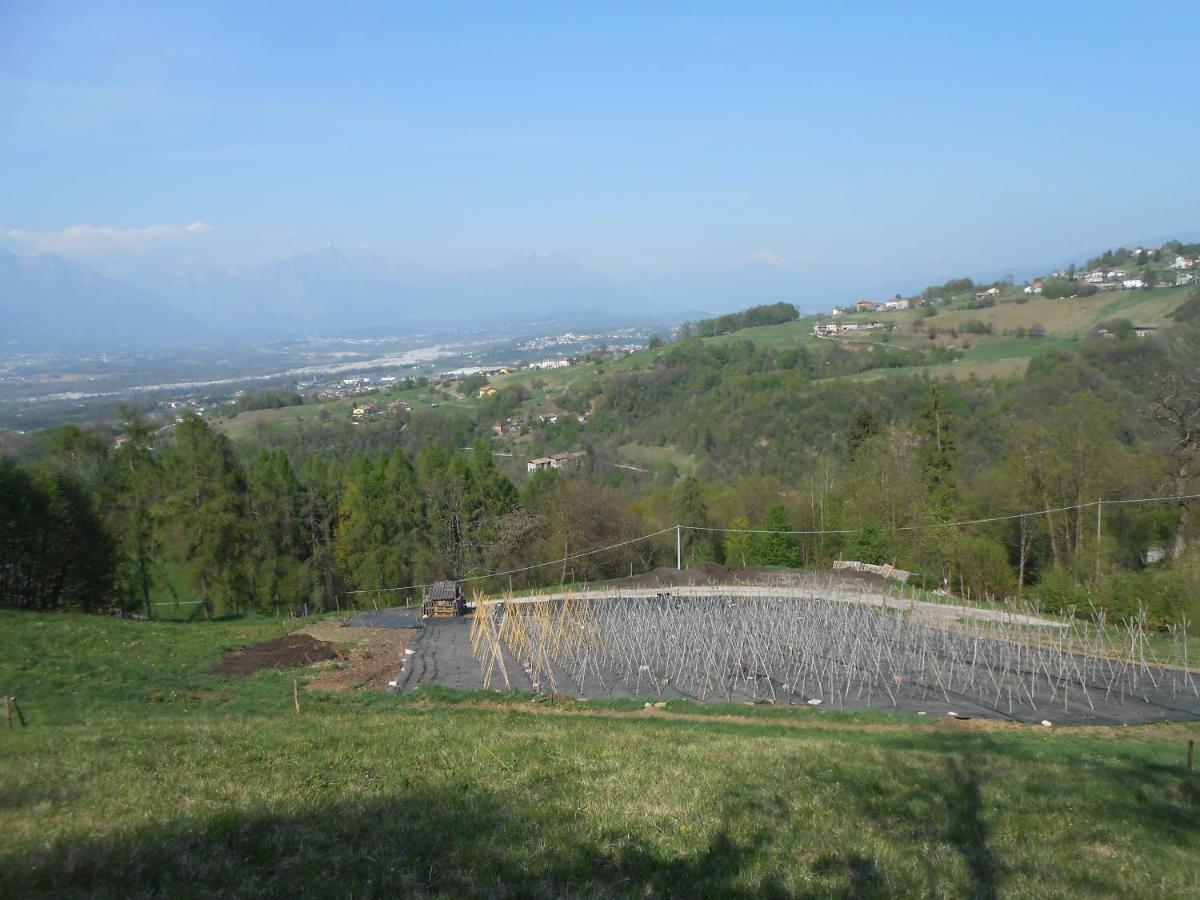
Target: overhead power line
{"points": [[678, 529], [1091, 504], [553, 562]]}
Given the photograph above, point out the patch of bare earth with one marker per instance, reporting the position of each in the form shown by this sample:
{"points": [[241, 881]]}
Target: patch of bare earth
{"points": [[368, 658], [287, 652]]}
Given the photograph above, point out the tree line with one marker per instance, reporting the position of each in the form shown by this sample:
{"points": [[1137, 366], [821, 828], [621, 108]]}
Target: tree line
{"points": [[882, 470], [766, 314], [186, 516]]}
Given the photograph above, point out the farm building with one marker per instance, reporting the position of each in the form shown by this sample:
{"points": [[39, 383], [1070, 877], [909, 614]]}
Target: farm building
{"points": [[445, 598]]}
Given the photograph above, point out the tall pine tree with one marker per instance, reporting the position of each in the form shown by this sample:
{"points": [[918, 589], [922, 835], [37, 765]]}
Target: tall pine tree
{"points": [[381, 523], [777, 549], [130, 488], [203, 515]]}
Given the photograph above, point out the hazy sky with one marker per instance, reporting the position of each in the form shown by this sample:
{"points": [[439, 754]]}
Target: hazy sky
{"points": [[870, 142]]}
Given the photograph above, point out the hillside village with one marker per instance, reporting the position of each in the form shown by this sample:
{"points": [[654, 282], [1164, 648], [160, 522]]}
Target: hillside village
{"points": [[1172, 265]]}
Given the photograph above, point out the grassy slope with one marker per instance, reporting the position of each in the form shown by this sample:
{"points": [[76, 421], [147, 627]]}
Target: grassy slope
{"points": [[1065, 321], [244, 424], [140, 774]]}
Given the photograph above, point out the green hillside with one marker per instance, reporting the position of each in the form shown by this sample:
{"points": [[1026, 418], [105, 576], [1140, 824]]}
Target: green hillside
{"points": [[141, 774], [956, 340], [999, 354]]}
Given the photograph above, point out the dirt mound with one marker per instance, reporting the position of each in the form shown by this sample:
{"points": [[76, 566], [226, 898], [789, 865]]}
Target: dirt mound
{"points": [[288, 652]]}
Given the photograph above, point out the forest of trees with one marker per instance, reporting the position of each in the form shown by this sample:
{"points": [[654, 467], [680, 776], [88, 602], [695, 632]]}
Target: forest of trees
{"points": [[769, 314], [884, 468]]}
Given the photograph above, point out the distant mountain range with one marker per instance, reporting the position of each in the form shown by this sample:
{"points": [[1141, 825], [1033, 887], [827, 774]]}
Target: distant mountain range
{"points": [[50, 300]]}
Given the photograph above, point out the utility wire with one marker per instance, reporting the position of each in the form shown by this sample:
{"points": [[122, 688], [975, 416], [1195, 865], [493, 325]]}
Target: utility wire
{"points": [[553, 562], [1008, 518], [646, 537]]}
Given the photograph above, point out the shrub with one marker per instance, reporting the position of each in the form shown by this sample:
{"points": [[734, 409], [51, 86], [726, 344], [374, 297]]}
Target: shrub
{"points": [[1058, 592], [1166, 595], [982, 565], [871, 545]]}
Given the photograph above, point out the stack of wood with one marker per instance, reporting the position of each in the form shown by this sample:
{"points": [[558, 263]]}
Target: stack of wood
{"points": [[445, 598]]}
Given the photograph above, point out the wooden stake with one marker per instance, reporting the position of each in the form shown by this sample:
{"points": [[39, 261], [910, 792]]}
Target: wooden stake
{"points": [[17, 707], [296, 694]]}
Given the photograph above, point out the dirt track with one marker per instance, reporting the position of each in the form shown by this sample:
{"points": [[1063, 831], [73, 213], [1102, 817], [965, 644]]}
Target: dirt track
{"points": [[368, 657], [712, 574]]}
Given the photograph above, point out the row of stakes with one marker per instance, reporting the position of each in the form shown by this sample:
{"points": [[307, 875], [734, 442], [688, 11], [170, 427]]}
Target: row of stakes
{"points": [[834, 643]]}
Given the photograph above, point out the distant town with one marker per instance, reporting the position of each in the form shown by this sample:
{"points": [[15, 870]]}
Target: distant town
{"points": [[1142, 268]]}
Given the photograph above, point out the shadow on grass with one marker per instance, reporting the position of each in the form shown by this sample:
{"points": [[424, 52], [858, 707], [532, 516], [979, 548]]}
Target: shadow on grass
{"points": [[862, 876], [468, 838], [967, 829], [465, 842], [947, 805]]}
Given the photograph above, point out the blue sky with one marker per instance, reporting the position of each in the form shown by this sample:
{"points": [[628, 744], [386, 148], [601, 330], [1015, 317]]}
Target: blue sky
{"points": [[657, 143]]}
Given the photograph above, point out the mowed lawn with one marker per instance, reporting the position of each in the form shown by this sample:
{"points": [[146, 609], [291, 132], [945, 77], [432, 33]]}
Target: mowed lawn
{"points": [[140, 774]]}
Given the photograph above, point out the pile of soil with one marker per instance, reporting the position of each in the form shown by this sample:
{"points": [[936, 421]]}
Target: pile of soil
{"points": [[288, 652]]}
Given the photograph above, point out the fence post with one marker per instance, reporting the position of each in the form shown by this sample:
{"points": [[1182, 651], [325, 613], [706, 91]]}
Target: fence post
{"points": [[679, 548]]}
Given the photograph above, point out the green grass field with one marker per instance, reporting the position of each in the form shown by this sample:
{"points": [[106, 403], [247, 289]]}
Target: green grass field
{"points": [[141, 775], [648, 457]]}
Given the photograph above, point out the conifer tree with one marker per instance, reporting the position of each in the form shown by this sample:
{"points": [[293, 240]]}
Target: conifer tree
{"points": [[277, 545], [690, 509], [203, 514], [130, 488], [381, 521], [777, 549]]}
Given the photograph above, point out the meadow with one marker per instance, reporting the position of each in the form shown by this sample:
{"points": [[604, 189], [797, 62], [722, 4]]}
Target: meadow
{"points": [[141, 774]]}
